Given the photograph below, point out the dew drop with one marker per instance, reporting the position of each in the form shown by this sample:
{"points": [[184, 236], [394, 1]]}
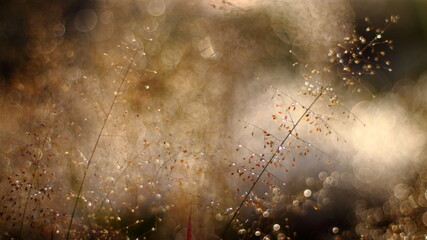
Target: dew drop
{"points": [[219, 217], [335, 230], [266, 214], [307, 193]]}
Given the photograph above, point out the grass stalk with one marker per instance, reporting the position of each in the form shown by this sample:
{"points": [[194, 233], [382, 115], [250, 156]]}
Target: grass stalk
{"points": [[79, 193], [268, 163]]}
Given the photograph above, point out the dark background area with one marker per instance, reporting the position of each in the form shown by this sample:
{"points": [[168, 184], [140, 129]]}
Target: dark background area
{"points": [[409, 58]]}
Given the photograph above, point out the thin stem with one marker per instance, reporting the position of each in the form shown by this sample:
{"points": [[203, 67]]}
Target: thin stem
{"points": [[28, 199], [294, 135], [33, 179], [268, 163], [129, 163], [96, 145]]}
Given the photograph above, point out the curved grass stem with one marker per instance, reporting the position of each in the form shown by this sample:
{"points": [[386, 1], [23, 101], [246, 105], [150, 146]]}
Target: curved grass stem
{"points": [[32, 182], [268, 163], [27, 200], [79, 193]]}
